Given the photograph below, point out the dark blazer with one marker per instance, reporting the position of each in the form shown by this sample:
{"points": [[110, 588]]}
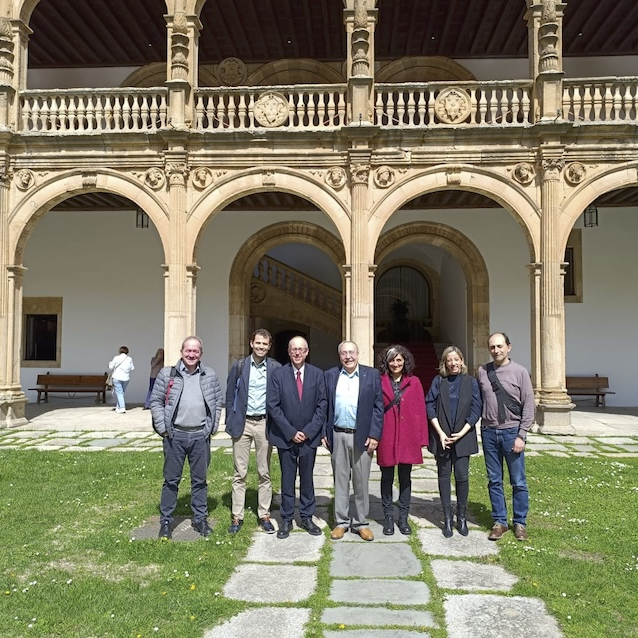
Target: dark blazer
{"points": [[369, 407], [288, 415], [468, 411], [237, 393]]}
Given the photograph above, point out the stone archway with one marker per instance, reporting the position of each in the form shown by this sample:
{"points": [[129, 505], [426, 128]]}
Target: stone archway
{"points": [[472, 264], [246, 260]]}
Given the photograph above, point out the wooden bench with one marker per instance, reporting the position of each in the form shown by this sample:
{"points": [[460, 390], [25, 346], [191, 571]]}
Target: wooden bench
{"points": [[71, 384], [595, 386]]}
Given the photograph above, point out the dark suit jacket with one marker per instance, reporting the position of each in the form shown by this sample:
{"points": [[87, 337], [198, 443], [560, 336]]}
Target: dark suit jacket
{"points": [[237, 393], [288, 415], [369, 408]]}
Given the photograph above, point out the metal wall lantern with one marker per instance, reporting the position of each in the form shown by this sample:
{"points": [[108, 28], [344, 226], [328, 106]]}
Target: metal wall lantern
{"points": [[591, 216], [141, 219]]}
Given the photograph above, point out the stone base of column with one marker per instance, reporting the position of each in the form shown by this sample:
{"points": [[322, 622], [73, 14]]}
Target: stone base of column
{"points": [[555, 419], [12, 410]]}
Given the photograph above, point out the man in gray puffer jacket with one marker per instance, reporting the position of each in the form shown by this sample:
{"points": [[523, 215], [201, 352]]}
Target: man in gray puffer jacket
{"points": [[186, 406]]}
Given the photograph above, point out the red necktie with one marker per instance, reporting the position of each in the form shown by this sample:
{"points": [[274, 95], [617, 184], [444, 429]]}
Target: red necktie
{"points": [[299, 384]]}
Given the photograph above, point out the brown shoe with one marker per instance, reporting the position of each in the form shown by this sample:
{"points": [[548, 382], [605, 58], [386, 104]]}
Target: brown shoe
{"points": [[337, 533], [365, 533], [497, 531], [520, 533]]}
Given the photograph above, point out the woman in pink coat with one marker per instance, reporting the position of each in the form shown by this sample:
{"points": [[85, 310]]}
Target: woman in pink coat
{"points": [[405, 432]]}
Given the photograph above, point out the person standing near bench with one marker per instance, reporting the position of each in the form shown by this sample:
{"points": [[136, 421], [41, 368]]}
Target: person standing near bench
{"points": [[246, 420], [507, 416], [157, 363], [186, 405], [121, 367]]}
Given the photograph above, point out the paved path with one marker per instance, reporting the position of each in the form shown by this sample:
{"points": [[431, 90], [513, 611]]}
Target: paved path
{"points": [[376, 589]]}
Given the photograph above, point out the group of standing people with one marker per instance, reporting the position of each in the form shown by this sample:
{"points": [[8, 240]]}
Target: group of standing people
{"points": [[353, 410]]}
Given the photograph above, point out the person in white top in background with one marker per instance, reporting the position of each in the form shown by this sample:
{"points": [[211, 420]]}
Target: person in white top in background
{"points": [[121, 367]]}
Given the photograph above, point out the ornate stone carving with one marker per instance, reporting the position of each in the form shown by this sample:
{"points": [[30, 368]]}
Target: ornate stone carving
{"points": [[524, 173], [257, 293], [177, 173], [552, 168], [360, 173], [335, 177], [548, 38], [384, 177], [89, 180], [271, 109], [6, 51], [360, 39], [453, 105], [25, 179], [202, 177], [179, 47], [549, 11], [232, 71], [155, 178], [453, 174], [268, 178], [575, 173]]}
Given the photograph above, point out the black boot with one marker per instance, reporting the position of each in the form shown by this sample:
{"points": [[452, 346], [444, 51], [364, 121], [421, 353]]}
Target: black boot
{"points": [[388, 525], [461, 520], [448, 519], [403, 525]]}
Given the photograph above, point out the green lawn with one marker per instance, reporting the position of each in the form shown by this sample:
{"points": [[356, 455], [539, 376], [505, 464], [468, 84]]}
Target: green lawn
{"points": [[68, 568]]}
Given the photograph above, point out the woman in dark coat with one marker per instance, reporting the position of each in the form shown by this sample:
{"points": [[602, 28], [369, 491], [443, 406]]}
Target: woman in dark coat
{"points": [[405, 432], [454, 406]]}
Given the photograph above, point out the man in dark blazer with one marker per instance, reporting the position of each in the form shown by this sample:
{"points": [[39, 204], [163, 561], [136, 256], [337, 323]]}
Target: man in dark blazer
{"points": [[352, 433], [246, 418], [297, 414]]}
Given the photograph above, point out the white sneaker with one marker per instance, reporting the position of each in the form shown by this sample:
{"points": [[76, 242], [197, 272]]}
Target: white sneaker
{"points": [[120, 410]]}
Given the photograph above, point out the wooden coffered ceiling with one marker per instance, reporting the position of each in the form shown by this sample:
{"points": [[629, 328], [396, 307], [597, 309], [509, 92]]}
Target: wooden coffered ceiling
{"points": [[91, 33]]}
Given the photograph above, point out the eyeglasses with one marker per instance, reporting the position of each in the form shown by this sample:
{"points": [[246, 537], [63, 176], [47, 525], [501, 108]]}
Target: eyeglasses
{"points": [[191, 351], [297, 350]]}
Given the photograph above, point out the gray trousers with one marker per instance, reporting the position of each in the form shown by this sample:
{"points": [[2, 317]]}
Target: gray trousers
{"points": [[350, 463]]}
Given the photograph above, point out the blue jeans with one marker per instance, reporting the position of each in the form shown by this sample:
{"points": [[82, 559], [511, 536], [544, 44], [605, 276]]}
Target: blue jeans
{"points": [[119, 387], [497, 445], [196, 447]]}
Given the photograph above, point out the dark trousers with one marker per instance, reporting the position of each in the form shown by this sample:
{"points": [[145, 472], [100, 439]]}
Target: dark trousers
{"points": [[302, 458], [196, 447], [461, 466], [404, 471]]}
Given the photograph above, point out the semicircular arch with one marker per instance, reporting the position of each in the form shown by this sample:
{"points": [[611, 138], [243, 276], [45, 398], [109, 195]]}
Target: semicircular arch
{"points": [[252, 181], [469, 178], [248, 257], [42, 199], [424, 68], [291, 71], [471, 262]]}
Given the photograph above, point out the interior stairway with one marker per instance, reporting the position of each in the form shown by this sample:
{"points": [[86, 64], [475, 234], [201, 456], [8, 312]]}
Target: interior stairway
{"points": [[426, 361]]}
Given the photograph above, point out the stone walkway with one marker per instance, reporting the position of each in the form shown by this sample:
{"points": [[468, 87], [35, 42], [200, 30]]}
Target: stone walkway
{"points": [[377, 589]]}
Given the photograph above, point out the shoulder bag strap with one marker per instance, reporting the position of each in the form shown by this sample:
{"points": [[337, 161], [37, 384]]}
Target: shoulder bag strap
{"points": [[504, 400]]}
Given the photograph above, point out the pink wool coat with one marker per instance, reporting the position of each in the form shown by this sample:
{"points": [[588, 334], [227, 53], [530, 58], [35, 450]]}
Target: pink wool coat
{"points": [[405, 425]]}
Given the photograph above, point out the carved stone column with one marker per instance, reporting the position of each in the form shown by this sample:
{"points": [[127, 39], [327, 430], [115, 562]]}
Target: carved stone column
{"points": [[179, 321], [554, 403], [360, 298], [181, 74], [360, 18], [545, 26]]}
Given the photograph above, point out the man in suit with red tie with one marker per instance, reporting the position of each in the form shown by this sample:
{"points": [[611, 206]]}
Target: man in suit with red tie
{"points": [[296, 403], [353, 430]]}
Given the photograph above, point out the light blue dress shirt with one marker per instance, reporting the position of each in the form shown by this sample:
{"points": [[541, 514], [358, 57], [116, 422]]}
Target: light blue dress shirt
{"points": [[347, 399], [257, 384]]}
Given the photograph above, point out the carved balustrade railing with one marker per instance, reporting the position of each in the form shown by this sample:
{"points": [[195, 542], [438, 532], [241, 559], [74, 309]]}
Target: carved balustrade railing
{"points": [[601, 99], [293, 107], [93, 110], [497, 103], [303, 288]]}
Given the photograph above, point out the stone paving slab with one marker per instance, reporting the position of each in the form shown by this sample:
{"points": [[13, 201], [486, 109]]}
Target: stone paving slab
{"points": [[616, 440], [375, 633], [265, 622], [259, 583], [104, 443], [425, 485], [376, 616], [434, 543], [373, 560], [380, 592], [491, 616], [463, 574], [298, 547]]}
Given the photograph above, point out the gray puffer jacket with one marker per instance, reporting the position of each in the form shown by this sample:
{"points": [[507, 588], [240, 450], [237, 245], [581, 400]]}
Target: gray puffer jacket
{"points": [[164, 402]]}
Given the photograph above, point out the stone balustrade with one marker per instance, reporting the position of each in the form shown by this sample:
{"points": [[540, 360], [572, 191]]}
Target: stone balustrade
{"points": [[93, 110], [298, 285], [601, 99]]}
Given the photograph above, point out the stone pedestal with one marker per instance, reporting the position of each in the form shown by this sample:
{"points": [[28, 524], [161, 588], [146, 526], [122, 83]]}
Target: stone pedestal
{"points": [[555, 419], [12, 409]]}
